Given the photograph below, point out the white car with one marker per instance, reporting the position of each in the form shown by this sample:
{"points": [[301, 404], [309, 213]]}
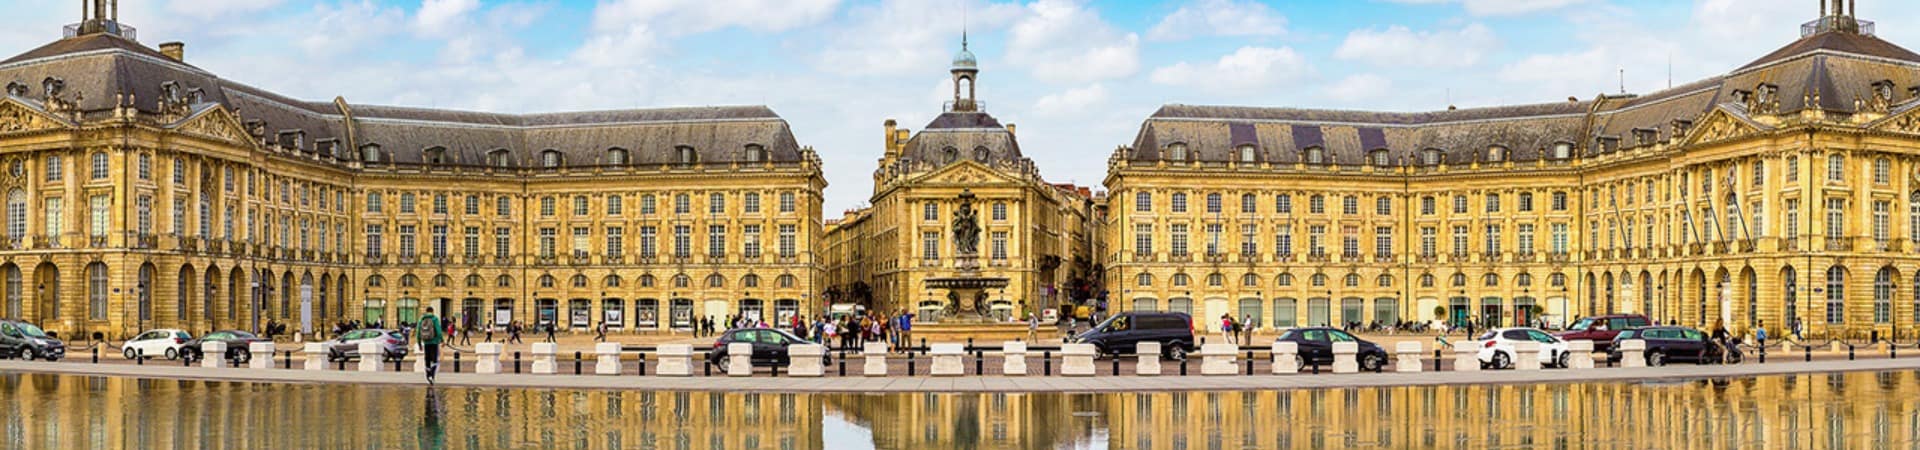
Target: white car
{"points": [[1496, 347], [154, 343]]}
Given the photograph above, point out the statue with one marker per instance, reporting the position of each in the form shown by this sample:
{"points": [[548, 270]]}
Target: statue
{"points": [[966, 227]]}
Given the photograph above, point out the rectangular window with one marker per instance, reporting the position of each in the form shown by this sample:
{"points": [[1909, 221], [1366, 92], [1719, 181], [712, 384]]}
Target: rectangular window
{"points": [[1493, 203], [646, 205], [649, 241], [406, 239], [750, 241], [179, 216], [1836, 217], [1317, 240], [547, 245], [179, 171], [581, 244], [716, 241], [1350, 241], [226, 223], [1525, 237], [1526, 202], [1383, 241], [1213, 203], [616, 241], [1283, 240], [406, 201], [1459, 240], [1427, 237], [1426, 206], [786, 202], [1283, 204], [1179, 232], [751, 203], [1248, 239], [375, 246], [716, 204], [1459, 204], [503, 206], [1142, 239], [439, 202], [788, 240], [1316, 205], [1759, 212], [1493, 241], [1560, 201], [930, 245], [54, 168], [1790, 228], [546, 206], [999, 212], [930, 212], [470, 243], [1350, 205], [97, 220], [580, 205], [1383, 206], [1559, 237], [502, 242], [438, 240], [17, 215], [1881, 210], [999, 246], [373, 202], [1179, 202], [682, 204], [682, 241], [1213, 238]]}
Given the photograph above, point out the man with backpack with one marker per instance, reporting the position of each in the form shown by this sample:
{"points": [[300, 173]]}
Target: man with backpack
{"points": [[429, 332]]}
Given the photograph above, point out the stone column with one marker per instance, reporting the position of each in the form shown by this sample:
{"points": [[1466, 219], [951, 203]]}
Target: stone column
{"points": [[1633, 353], [256, 350], [876, 353], [1219, 359], [213, 354], [1407, 357], [1466, 356], [1344, 360], [608, 355], [1526, 355], [1014, 354], [676, 360], [370, 355], [489, 354], [316, 353], [1076, 360], [946, 360], [1149, 364], [544, 361], [739, 359], [1286, 358], [806, 360], [1579, 354]]}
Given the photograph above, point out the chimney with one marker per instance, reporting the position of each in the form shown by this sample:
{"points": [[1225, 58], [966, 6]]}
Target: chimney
{"points": [[889, 138], [1010, 128], [174, 50]]}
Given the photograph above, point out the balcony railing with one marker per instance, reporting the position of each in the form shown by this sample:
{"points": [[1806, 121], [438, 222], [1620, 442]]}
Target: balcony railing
{"points": [[1459, 258], [1213, 257], [376, 259], [442, 259], [503, 260], [1745, 245], [1427, 258], [1318, 257], [1350, 257], [1384, 258], [1558, 257], [1525, 257], [1283, 257], [546, 260], [1840, 243], [615, 258], [408, 259]]}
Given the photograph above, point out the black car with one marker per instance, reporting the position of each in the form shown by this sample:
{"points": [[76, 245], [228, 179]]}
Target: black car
{"points": [[1668, 344], [769, 346], [1316, 347], [1123, 333], [236, 341], [24, 340]]}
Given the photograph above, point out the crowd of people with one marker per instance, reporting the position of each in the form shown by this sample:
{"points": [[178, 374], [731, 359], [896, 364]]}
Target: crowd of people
{"points": [[846, 332]]}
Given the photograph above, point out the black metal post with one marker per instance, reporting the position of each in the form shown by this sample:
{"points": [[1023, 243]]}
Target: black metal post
{"points": [[843, 363], [1436, 360], [1763, 353], [643, 364], [708, 367], [1249, 362], [1183, 367], [1046, 362], [289, 360], [979, 362], [576, 363], [516, 362], [340, 365], [1116, 364], [96, 354], [456, 361], [396, 364], [776, 370], [1808, 351], [909, 363], [1849, 352], [140, 357]]}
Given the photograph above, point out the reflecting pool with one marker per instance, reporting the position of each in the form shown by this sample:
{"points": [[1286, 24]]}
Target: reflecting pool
{"points": [[1852, 410]]}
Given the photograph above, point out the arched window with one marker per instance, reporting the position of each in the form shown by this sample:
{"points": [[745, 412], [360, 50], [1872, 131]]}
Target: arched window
{"points": [[1836, 295], [1285, 279], [1180, 279], [97, 291], [1490, 280], [611, 281], [546, 281], [442, 280], [1216, 280], [1459, 279], [716, 280], [1384, 281], [1496, 154], [434, 155], [1426, 280], [1315, 155], [1250, 280], [474, 280], [550, 158], [1432, 157], [646, 281], [503, 281], [1352, 280], [786, 281], [616, 156], [682, 280], [1523, 280], [1883, 296], [1248, 154], [578, 281], [368, 153], [499, 157], [1143, 280], [685, 155], [1177, 152], [750, 281], [409, 280], [1317, 280], [756, 153], [1380, 158], [981, 154], [949, 155], [1557, 280], [376, 281], [1562, 150]]}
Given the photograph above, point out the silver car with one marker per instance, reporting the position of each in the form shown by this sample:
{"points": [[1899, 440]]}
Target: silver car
{"points": [[393, 344]]}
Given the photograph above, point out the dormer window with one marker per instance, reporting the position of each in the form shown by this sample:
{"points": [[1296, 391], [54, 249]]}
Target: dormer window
{"points": [[550, 158], [329, 148], [1380, 158], [685, 155], [1315, 155], [1681, 126], [981, 154], [616, 156], [499, 157], [1496, 154], [1607, 143], [370, 153], [948, 155], [291, 139], [1248, 154], [1177, 152], [1883, 90], [1562, 150], [756, 153], [1645, 136], [1432, 157], [435, 156]]}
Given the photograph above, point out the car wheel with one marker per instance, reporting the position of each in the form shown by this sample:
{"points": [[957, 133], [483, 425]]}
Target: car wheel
{"points": [[1177, 351], [173, 354], [1502, 361], [1299, 362], [1656, 359], [1372, 362], [127, 352], [1564, 361], [28, 354], [243, 356]]}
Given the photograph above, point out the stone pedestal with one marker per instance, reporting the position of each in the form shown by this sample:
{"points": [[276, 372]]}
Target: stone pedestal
{"points": [[489, 358], [1786, 347], [316, 353], [213, 355], [1579, 354], [419, 359], [876, 354], [676, 360], [1344, 357], [262, 354], [1219, 359], [946, 360], [806, 360], [1526, 355], [1633, 353], [370, 353], [607, 355], [1076, 360], [1149, 364], [1407, 357], [544, 361], [739, 359], [1466, 356], [1014, 356], [1286, 358], [1836, 347]]}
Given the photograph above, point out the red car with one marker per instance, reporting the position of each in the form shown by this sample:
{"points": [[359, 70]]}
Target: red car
{"points": [[1602, 329]]}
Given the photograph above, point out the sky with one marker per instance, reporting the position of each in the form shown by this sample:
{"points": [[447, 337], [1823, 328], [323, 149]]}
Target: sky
{"points": [[1077, 76]]}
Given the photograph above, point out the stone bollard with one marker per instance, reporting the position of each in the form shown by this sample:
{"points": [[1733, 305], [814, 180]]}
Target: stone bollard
{"points": [[1344, 357], [420, 359], [1408, 359], [213, 354], [1076, 360], [1786, 347], [806, 360], [1466, 356], [1633, 353], [370, 355], [489, 353], [316, 353], [876, 353], [946, 360], [1149, 364], [608, 355], [544, 360], [676, 360], [739, 359], [257, 350], [1014, 354], [1219, 359], [1526, 355], [1579, 354], [1286, 358], [1836, 347]]}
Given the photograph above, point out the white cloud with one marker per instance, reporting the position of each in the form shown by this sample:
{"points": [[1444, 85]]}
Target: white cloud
{"points": [[1219, 18], [1359, 87], [1063, 41], [897, 37], [1071, 101], [205, 9], [1249, 68], [1399, 46], [1501, 7], [350, 26], [682, 17], [442, 16]]}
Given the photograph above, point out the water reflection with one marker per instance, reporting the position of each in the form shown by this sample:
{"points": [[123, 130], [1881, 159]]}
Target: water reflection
{"points": [[1857, 410]]}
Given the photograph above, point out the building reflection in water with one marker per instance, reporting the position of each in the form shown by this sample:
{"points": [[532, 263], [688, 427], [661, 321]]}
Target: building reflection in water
{"points": [[1857, 410]]}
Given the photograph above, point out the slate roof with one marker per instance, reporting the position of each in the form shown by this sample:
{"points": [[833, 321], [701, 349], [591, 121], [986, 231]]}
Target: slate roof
{"points": [[975, 135]]}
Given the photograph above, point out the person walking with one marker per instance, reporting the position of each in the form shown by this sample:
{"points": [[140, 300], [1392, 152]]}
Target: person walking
{"points": [[466, 332], [600, 332], [489, 333], [551, 328], [513, 333], [1033, 327], [430, 332], [1760, 333]]}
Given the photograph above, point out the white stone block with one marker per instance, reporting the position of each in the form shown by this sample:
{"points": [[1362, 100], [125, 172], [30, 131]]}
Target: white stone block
{"points": [[316, 353], [1076, 360], [946, 360], [1633, 353], [419, 359], [262, 353], [1014, 356], [1579, 354], [1526, 355], [213, 355], [370, 355], [1219, 359], [1344, 357], [876, 362], [1286, 358], [739, 359], [544, 361], [676, 360], [1407, 356], [1836, 347], [806, 360], [607, 355], [1149, 364], [1466, 356], [489, 358]]}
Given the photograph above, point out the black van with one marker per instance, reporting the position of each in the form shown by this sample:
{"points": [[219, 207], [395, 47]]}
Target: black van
{"points": [[1119, 334], [23, 340]]}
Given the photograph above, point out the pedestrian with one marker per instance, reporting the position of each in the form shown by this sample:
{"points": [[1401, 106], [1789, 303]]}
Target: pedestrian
{"points": [[1033, 327], [551, 328], [827, 332], [430, 334], [1760, 333], [513, 333], [1226, 328], [447, 326], [466, 332], [600, 332], [489, 333]]}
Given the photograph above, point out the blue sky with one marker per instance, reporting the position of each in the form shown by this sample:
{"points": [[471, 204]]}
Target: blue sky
{"points": [[1078, 76]]}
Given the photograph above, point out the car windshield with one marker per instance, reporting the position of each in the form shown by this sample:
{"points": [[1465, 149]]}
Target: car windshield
{"points": [[1624, 335], [1485, 336], [1290, 335], [1340, 336], [30, 330], [182, 335], [1582, 324], [241, 335]]}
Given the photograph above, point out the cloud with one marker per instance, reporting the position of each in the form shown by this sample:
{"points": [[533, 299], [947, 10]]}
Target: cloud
{"points": [[1071, 101], [1402, 47], [442, 16], [1500, 7], [1062, 41], [206, 9], [1359, 87], [629, 31], [1219, 18], [1248, 68], [898, 37], [350, 26]]}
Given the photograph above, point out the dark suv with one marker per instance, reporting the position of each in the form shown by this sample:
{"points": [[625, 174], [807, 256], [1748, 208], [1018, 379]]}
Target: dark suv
{"points": [[769, 346], [1602, 329], [23, 340], [1123, 333], [1316, 347], [1667, 344]]}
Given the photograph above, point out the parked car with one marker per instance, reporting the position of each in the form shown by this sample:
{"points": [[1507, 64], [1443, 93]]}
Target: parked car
{"points": [[25, 341], [154, 343], [1668, 344], [346, 347], [1497, 347], [1122, 334], [769, 346], [1316, 347], [1602, 329], [236, 341]]}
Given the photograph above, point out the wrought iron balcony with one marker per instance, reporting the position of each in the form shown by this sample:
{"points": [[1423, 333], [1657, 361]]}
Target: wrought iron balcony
{"points": [[1840, 243]]}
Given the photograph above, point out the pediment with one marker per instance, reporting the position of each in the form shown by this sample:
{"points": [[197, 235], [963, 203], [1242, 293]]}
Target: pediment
{"points": [[16, 117], [216, 123], [1722, 125], [1906, 120], [966, 172]]}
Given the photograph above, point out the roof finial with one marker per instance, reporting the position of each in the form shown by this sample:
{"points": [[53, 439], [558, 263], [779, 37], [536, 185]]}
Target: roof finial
{"points": [[963, 26]]}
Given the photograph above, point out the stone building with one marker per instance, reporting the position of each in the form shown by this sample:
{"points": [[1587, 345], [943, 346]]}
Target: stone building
{"points": [[143, 192], [906, 252], [1786, 189]]}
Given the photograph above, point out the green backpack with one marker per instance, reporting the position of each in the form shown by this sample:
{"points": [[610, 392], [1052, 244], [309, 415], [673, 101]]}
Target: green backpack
{"points": [[426, 332]]}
